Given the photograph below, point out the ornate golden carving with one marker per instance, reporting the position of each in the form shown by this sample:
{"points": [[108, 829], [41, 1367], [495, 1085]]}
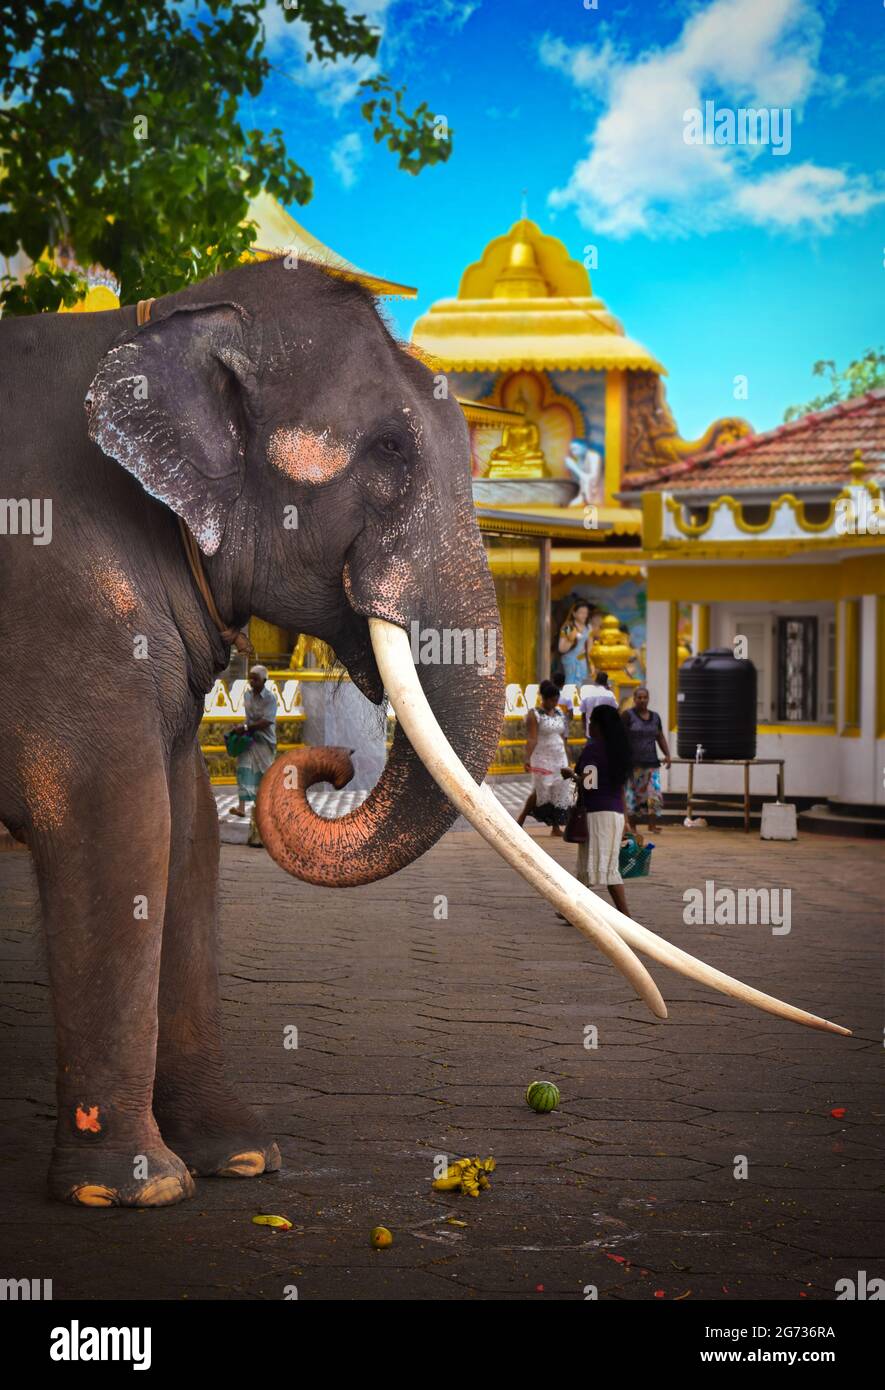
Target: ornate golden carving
{"points": [[653, 438]]}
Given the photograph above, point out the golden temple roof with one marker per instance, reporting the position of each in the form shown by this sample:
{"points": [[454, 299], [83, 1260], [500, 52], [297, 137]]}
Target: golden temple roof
{"points": [[527, 304], [489, 416], [563, 523], [277, 232], [518, 561]]}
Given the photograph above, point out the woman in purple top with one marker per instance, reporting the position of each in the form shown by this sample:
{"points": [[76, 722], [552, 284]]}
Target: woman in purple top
{"points": [[601, 772]]}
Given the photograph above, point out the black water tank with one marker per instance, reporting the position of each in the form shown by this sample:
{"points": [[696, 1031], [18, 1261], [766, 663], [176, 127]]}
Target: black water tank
{"points": [[716, 706]]}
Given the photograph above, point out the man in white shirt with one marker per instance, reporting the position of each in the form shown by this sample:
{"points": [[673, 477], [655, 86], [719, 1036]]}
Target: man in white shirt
{"points": [[600, 695]]}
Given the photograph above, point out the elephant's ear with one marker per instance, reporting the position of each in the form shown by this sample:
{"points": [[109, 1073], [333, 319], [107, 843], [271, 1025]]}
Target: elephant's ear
{"points": [[168, 405]]}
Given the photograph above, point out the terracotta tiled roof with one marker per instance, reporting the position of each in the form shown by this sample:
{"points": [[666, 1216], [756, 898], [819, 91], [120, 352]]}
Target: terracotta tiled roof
{"points": [[816, 449]]}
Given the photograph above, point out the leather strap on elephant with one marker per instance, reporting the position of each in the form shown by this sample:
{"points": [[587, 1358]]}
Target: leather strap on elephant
{"points": [[228, 634], [231, 635]]}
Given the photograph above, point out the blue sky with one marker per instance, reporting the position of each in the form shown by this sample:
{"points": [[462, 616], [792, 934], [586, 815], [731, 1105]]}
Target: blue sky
{"points": [[724, 261]]}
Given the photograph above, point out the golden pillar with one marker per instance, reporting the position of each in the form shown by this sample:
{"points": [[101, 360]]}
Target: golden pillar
{"points": [[615, 432]]}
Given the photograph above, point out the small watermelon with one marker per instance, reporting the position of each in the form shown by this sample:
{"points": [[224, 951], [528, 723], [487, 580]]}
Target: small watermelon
{"points": [[542, 1096]]}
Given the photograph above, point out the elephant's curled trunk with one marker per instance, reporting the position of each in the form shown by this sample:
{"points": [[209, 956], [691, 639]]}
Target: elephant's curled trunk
{"points": [[405, 813]]}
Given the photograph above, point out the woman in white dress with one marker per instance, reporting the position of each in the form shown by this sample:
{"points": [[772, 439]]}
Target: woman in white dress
{"points": [[546, 754]]}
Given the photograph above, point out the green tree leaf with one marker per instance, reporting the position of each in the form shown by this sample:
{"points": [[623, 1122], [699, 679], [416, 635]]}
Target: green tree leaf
{"points": [[123, 143], [865, 373]]}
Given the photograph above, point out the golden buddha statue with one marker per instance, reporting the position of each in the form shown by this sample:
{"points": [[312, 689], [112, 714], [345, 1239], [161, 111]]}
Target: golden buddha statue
{"points": [[519, 455]]}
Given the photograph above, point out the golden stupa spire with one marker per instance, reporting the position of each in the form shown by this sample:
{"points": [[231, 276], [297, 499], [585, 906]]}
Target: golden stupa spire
{"points": [[521, 277]]}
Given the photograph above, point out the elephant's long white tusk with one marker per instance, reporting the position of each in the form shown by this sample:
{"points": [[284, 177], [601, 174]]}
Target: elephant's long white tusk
{"points": [[393, 655], [667, 954], [602, 923]]}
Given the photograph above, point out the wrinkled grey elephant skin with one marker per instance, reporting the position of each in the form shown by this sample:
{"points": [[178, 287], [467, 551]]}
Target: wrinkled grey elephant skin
{"points": [[325, 484]]}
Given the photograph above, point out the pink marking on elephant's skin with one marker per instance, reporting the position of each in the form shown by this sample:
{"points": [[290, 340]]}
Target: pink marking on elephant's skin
{"points": [[307, 457], [112, 584], [46, 773]]}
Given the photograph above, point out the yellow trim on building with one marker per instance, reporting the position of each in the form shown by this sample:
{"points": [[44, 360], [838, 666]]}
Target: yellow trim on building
{"points": [[796, 729], [851, 664], [559, 523], [652, 520], [863, 574], [752, 550], [716, 583], [489, 416], [673, 619], [751, 528], [839, 702], [520, 561], [703, 627], [615, 432]]}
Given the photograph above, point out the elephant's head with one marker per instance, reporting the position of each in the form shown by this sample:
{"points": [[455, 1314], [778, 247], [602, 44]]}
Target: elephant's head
{"points": [[325, 475]]}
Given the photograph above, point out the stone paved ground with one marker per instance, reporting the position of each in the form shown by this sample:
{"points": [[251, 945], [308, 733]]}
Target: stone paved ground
{"points": [[418, 1037]]}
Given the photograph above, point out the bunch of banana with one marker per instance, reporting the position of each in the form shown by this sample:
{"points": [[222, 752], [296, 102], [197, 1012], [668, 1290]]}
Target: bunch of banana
{"points": [[467, 1175]]}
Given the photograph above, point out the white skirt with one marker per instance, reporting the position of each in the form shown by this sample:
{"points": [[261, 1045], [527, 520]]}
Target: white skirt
{"points": [[598, 856]]}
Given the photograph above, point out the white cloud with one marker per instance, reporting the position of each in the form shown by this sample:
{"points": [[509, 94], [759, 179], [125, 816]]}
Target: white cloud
{"points": [[346, 155], [589, 68], [639, 175], [808, 195]]}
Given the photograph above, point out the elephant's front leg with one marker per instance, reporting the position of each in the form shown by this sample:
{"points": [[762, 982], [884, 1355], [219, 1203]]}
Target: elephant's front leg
{"points": [[102, 880], [200, 1116]]}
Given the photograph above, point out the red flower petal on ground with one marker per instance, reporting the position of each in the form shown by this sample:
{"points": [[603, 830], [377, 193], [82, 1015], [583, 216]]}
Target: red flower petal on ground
{"points": [[659, 1293], [618, 1259], [838, 1113]]}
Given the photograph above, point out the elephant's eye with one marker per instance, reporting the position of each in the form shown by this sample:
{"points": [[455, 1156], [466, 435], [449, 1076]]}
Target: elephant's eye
{"points": [[390, 445]]}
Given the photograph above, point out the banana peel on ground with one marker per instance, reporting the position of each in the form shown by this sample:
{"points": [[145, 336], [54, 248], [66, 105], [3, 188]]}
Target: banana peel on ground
{"points": [[466, 1175]]}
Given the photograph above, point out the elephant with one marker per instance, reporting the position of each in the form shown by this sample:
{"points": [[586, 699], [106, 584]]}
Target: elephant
{"points": [[259, 444]]}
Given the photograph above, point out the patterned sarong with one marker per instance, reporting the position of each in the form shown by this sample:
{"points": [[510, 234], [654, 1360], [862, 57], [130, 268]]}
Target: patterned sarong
{"points": [[643, 791]]}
